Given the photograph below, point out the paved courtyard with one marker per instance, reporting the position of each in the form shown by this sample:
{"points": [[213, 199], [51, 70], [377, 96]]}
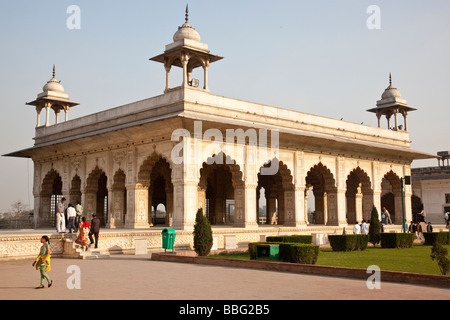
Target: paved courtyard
{"points": [[137, 277]]}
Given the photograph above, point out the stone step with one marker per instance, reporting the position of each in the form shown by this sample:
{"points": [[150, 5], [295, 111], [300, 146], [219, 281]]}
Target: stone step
{"points": [[74, 250]]}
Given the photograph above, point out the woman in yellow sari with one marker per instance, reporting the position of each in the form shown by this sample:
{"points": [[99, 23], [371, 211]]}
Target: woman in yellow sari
{"points": [[42, 262]]}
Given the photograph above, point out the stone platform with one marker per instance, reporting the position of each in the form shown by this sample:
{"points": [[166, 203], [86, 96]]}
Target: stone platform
{"points": [[24, 244]]}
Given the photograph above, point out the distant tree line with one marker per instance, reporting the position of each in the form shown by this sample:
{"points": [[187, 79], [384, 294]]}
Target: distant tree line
{"points": [[19, 216]]}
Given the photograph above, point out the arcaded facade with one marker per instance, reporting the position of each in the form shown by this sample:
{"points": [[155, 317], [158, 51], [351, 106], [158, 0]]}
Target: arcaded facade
{"points": [[124, 163]]}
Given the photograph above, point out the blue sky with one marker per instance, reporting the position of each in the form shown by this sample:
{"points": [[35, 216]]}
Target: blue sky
{"points": [[317, 57]]}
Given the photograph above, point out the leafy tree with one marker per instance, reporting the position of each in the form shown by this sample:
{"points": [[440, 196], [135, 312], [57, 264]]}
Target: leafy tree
{"points": [[374, 228], [203, 239], [439, 254]]}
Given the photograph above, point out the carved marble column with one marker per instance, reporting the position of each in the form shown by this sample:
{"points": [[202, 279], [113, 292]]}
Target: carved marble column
{"points": [[169, 208], [299, 208], [377, 202], [137, 213], [167, 67], [245, 206], [186, 202], [205, 68], [47, 114], [184, 62], [398, 219], [289, 208], [116, 219], [359, 205], [281, 211], [271, 209], [38, 111]]}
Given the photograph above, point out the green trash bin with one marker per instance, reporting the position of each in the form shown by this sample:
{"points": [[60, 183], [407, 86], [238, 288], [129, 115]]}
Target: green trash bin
{"points": [[268, 252], [168, 239]]}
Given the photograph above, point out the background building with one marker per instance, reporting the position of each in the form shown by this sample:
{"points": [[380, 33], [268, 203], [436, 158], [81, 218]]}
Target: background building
{"points": [[431, 189]]}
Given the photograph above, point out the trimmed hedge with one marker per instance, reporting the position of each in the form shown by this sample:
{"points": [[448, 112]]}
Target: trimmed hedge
{"points": [[291, 239], [397, 240], [299, 253], [349, 242], [291, 252], [431, 238]]}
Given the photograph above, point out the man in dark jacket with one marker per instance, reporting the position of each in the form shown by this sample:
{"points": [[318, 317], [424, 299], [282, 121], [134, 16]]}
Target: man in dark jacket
{"points": [[95, 230]]}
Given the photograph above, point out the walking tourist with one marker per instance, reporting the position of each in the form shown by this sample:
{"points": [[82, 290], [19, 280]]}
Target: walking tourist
{"points": [[60, 219], [410, 228], [83, 236], [357, 228], [42, 262], [429, 227], [405, 228], [95, 230], [383, 218], [419, 235], [71, 215], [422, 216], [388, 216], [79, 210], [364, 227], [446, 218]]}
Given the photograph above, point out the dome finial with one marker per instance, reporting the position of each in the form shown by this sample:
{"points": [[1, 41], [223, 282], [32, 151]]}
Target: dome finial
{"points": [[187, 12], [390, 78], [54, 71]]}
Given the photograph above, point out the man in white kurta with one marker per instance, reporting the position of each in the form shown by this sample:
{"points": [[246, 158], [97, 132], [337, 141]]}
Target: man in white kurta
{"points": [[364, 228], [60, 219], [357, 229]]}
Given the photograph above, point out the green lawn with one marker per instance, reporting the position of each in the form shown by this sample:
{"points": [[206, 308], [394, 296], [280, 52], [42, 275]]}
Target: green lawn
{"points": [[416, 259], [240, 256]]}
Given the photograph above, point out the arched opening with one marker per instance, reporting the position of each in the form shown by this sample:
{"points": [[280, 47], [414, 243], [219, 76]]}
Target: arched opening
{"points": [[359, 196], [391, 197], [261, 201], [310, 204], [51, 194], [97, 195], [155, 176], [219, 194], [278, 189], [388, 202], [221, 191], [159, 215], [417, 207], [321, 182]]}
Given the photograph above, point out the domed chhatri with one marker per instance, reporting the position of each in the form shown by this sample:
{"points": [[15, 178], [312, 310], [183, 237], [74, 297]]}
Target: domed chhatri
{"points": [[187, 52], [186, 31], [53, 84], [53, 97], [391, 91], [392, 104]]}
